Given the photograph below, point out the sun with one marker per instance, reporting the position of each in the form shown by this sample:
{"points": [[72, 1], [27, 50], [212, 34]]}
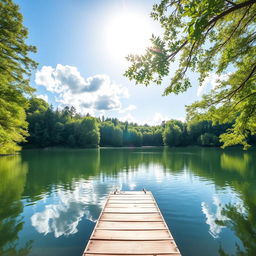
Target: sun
{"points": [[127, 33]]}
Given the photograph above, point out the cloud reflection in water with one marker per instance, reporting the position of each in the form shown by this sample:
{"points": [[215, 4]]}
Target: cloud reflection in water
{"points": [[211, 217], [63, 216]]}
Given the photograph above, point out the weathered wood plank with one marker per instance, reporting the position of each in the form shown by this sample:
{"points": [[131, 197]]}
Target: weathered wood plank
{"points": [[130, 197], [120, 193], [134, 225], [169, 254], [130, 247], [131, 217], [116, 205], [131, 235], [123, 201], [130, 210]]}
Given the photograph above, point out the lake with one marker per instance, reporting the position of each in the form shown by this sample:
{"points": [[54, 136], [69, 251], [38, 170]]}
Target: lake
{"points": [[50, 199]]}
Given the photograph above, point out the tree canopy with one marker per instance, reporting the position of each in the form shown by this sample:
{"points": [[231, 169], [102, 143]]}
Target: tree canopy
{"points": [[172, 135], [15, 68], [208, 36], [49, 127], [66, 128]]}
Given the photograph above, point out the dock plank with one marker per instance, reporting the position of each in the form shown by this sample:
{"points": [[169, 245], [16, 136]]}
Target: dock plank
{"points": [[127, 198], [123, 201], [169, 254], [130, 247], [131, 235], [131, 224], [131, 217], [130, 193], [118, 205], [130, 210]]}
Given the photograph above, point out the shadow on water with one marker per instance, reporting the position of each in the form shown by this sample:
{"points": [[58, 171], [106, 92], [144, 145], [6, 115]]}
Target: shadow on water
{"points": [[70, 187]]}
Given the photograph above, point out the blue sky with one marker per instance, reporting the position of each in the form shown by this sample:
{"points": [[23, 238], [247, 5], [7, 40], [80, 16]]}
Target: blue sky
{"points": [[81, 58]]}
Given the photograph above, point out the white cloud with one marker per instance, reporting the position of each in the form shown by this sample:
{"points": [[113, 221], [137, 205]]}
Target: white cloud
{"points": [[129, 118], [158, 118], [182, 119], [129, 108], [44, 77], [107, 102], [212, 80], [95, 93], [43, 96]]}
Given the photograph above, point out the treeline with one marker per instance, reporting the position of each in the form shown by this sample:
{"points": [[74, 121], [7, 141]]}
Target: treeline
{"points": [[48, 128], [66, 127], [203, 133]]}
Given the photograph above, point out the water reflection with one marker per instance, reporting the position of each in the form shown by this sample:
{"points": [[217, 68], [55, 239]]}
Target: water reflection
{"points": [[64, 190], [233, 163], [212, 218], [243, 224], [50, 169], [13, 177], [63, 216]]}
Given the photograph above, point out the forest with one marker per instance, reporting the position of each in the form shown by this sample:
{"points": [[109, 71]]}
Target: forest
{"points": [[222, 42], [54, 128]]}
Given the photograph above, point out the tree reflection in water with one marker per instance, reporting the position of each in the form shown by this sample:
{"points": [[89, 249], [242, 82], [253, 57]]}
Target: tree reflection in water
{"points": [[230, 168], [13, 177]]}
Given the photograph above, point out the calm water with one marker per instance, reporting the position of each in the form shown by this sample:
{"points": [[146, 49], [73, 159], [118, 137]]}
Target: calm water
{"points": [[51, 199]]}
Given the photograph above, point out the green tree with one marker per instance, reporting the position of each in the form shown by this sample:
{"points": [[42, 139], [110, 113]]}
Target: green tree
{"points": [[158, 138], [71, 140], [57, 133], [49, 127], [132, 137], [147, 138], [87, 132], [35, 113], [151, 136], [208, 139], [196, 129], [207, 36], [15, 68], [37, 105], [172, 135], [44, 129], [110, 135]]}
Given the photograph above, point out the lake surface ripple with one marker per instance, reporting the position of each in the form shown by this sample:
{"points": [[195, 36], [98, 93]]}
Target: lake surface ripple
{"points": [[50, 199]]}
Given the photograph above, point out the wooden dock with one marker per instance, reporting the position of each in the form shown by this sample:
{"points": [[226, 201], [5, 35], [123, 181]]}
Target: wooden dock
{"points": [[131, 224]]}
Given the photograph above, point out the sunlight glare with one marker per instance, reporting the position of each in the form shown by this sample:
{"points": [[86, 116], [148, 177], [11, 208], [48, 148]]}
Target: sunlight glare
{"points": [[127, 33]]}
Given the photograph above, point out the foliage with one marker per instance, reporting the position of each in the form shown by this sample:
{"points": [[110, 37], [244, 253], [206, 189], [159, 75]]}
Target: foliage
{"points": [[54, 128], [208, 36], [153, 137], [15, 68], [208, 139], [172, 135], [49, 127], [87, 132], [132, 137], [110, 135]]}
